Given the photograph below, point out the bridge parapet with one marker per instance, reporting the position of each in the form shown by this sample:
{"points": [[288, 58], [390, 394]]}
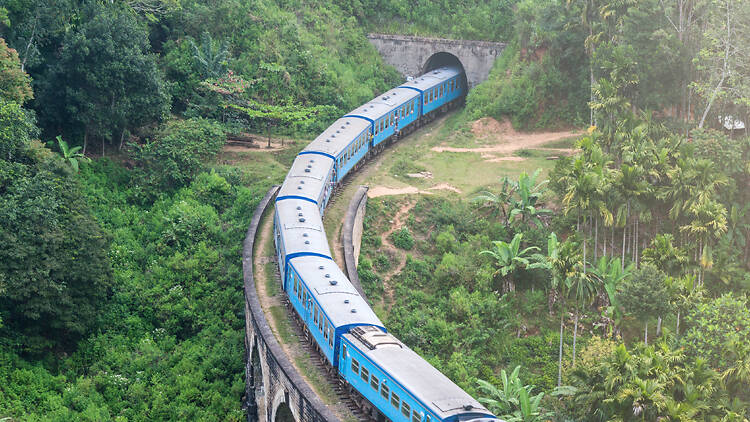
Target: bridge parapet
{"points": [[412, 55]]}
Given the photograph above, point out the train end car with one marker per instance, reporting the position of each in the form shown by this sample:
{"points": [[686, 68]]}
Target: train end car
{"points": [[326, 302], [298, 231], [400, 384], [346, 142], [438, 87], [389, 113]]}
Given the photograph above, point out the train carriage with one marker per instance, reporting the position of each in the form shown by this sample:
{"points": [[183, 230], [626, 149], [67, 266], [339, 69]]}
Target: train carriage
{"points": [[326, 302], [298, 231], [402, 385], [438, 88], [346, 142], [310, 179], [389, 113]]}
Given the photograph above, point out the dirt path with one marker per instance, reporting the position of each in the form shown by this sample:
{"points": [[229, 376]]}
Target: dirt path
{"points": [[396, 224], [512, 143]]}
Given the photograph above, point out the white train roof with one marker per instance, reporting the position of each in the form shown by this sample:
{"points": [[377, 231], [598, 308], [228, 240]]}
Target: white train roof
{"points": [[384, 103], [432, 78], [335, 293], [425, 383], [301, 227], [335, 139], [307, 176]]}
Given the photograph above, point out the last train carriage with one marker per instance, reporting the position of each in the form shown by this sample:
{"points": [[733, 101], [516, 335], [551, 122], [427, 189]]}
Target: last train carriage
{"points": [[390, 380]]}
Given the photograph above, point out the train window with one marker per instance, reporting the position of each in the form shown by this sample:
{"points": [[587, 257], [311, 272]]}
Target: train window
{"points": [[355, 366], [320, 322], [416, 416], [425, 98], [316, 311], [374, 382], [384, 391], [406, 409], [295, 283], [426, 418], [365, 375], [343, 351], [395, 400], [330, 338]]}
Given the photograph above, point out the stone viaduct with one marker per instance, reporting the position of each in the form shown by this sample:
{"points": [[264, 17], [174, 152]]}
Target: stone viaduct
{"points": [[413, 56]]}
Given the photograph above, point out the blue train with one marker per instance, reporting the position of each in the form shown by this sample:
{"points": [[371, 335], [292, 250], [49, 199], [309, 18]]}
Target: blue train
{"points": [[392, 382]]}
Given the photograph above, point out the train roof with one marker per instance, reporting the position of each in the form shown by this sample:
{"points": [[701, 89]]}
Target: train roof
{"points": [[335, 293], [335, 139], [306, 177], [425, 383], [384, 103], [432, 78], [301, 228]]}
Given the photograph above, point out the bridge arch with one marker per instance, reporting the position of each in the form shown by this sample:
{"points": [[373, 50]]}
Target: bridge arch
{"points": [[282, 411]]}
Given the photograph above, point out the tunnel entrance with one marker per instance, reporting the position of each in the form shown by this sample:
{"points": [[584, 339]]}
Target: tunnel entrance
{"points": [[442, 59], [284, 413]]}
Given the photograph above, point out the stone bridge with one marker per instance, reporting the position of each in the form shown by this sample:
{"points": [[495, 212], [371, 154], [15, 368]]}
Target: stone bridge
{"points": [[274, 390], [413, 56]]}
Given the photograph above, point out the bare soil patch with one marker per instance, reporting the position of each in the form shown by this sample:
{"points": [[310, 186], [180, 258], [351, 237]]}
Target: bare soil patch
{"points": [[391, 250]]}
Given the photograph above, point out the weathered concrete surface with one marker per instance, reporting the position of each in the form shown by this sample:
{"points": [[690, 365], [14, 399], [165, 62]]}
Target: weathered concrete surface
{"points": [[270, 379], [351, 236], [411, 55]]}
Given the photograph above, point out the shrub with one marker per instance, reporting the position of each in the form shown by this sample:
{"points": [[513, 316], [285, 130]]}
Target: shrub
{"points": [[178, 152], [403, 239]]}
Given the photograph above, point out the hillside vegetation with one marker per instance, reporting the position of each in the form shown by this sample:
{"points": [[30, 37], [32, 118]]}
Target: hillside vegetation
{"points": [[619, 287]]}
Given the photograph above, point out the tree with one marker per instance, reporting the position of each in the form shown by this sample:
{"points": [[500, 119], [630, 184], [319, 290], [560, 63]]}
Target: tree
{"points": [[112, 82], [723, 61], [15, 84], [611, 274], [53, 263], [645, 295], [563, 261], [510, 258], [178, 152], [211, 61]]}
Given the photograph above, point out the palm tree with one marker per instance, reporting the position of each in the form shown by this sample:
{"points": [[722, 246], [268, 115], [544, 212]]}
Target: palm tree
{"points": [[709, 222], [510, 257], [71, 155], [584, 289], [563, 262]]}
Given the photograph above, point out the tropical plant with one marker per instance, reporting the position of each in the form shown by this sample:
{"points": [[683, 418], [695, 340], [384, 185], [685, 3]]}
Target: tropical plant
{"points": [[71, 155], [513, 401], [509, 258]]}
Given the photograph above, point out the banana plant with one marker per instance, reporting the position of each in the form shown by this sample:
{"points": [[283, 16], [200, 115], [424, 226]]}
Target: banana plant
{"points": [[71, 155], [510, 257]]}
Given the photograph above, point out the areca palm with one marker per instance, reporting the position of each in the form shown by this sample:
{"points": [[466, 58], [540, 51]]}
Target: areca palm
{"points": [[509, 258], [563, 261], [709, 221]]}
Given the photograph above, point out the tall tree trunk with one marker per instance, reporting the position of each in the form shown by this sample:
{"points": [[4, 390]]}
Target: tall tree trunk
{"points": [[724, 70], [658, 326], [596, 236], [122, 139], [575, 335], [85, 139], [677, 325], [559, 358], [645, 334]]}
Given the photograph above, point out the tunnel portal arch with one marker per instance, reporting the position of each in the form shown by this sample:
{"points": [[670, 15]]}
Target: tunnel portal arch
{"points": [[441, 59]]}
